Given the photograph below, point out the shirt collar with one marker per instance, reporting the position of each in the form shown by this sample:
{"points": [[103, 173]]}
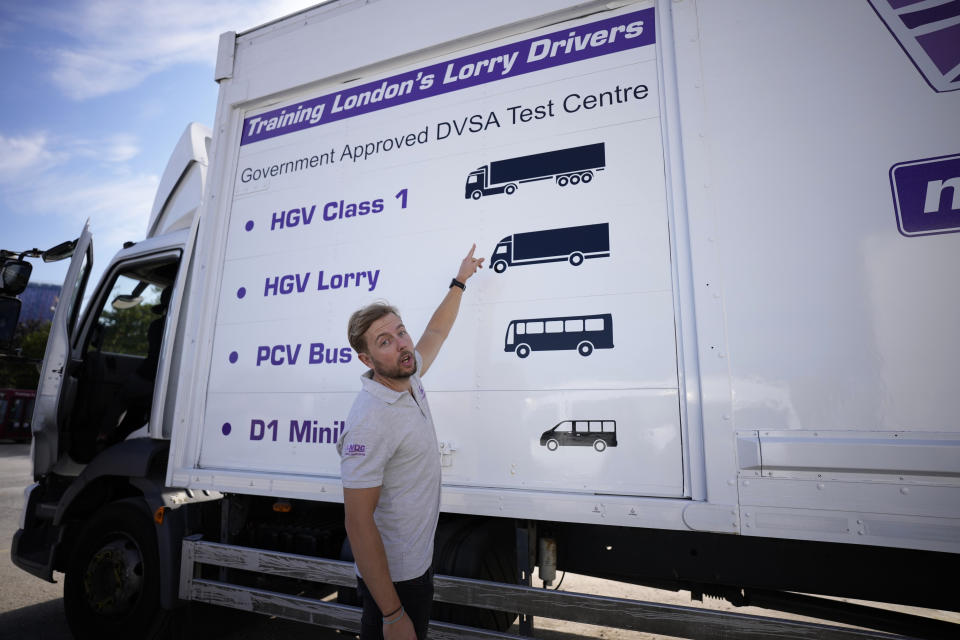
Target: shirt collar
{"points": [[379, 391]]}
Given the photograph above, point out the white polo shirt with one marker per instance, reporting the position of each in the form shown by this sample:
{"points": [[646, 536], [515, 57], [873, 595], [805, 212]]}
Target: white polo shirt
{"points": [[390, 442]]}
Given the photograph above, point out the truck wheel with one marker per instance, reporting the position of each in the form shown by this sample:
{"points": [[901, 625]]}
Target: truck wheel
{"points": [[112, 586], [476, 195], [575, 179], [576, 259], [584, 349], [499, 266], [599, 445], [478, 548], [552, 444], [523, 350], [510, 189], [563, 180], [586, 177]]}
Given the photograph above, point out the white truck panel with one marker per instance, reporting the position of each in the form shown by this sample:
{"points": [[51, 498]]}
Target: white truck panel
{"points": [[852, 330], [773, 308]]}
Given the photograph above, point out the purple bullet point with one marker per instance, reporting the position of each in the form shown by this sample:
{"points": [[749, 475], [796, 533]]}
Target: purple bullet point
{"points": [[226, 428], [249, 225], [233, 356], [242, 291]]}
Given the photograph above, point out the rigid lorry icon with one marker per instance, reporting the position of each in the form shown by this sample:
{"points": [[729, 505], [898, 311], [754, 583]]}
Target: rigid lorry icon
{"points": [[570, 244], [567, 166]]}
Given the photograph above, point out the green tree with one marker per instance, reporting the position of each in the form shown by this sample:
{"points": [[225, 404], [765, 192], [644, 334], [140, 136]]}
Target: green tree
{"points": [[31, 338], [125, 330]]}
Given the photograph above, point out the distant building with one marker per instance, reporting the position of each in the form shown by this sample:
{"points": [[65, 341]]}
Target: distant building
{"points": [[38, 302]]}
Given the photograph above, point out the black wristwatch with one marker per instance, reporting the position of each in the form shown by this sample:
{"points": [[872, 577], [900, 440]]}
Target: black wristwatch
{"points": [[456, 283]]}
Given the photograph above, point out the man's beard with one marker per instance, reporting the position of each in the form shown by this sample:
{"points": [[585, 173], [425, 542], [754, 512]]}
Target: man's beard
{"points": [[396, 370]]}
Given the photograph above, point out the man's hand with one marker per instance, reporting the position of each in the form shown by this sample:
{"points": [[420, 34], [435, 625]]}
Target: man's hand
{"points": [[402, 629], [443, 318], [469, 265]]}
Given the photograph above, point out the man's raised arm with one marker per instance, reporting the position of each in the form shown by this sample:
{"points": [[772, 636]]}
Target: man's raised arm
{"points": [[443, 318]]}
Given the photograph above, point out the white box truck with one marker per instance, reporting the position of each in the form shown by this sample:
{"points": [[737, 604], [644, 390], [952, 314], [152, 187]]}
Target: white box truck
{"points": [[781, 190]]}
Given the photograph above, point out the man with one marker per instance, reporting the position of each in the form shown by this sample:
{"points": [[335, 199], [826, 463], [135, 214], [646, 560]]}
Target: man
{"points": [[390, 465]]}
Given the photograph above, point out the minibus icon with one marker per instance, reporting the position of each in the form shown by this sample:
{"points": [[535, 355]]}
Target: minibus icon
{"points": [[598, 434]]}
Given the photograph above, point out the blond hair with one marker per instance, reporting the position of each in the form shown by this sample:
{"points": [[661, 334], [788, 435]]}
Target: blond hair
{"points": [[361, 319]]}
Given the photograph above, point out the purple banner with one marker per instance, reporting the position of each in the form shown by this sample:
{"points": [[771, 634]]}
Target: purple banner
{"points": [[926, 194], [628, 31]]}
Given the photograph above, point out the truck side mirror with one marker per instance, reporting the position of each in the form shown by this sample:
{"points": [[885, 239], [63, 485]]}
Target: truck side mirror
{"points": [[59, 252], [9, 317], [14, 275]]}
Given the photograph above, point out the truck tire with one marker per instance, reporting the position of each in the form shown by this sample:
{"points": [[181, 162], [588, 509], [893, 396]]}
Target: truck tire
{"points": [[576, 258], [510, 189], [500, 266], [586, 177], [523, 350], [562, 180], [112, 585], [575, 178], [478, 548], [476, 195], [584, 348]]}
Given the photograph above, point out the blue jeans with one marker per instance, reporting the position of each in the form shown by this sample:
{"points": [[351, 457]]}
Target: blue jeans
{"points": [[416, 596]]}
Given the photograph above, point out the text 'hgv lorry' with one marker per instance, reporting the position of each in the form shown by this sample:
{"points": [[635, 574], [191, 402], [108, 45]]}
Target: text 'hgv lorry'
{"points": [[770, 393]]}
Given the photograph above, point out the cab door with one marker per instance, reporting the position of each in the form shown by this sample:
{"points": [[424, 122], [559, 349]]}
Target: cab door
{"points": [[54, 395]]}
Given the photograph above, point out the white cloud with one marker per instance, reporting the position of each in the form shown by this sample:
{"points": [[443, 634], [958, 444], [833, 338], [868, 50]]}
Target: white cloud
{"points": [[120, 43], [119, 148], [25, 153], [116, 201], [117, 206], [38, 152], [72, 179]]}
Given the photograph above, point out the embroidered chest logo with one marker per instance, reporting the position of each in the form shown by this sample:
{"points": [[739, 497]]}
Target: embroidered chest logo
{"points": [[354, 449], [423, 395]]}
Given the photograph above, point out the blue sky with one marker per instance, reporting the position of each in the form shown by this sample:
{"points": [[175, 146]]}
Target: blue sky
{"points": [[96, 93]]}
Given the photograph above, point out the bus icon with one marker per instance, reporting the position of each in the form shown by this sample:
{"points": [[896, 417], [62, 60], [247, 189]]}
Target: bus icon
{"points": [[580, 333], [598, 434]]}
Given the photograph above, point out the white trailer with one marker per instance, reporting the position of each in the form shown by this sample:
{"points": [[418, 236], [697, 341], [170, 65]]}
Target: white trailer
{"points": [[782, 190]]}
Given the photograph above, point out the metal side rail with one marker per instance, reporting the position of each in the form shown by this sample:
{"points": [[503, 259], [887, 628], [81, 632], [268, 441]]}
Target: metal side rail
{"points": [[650, 617]]}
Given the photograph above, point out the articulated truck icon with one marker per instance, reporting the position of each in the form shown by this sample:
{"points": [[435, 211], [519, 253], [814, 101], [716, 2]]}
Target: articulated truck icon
{"points": [[565, 166], [567, 244]]}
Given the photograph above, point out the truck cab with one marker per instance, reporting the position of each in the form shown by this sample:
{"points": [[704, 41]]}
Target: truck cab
{"points": [[101, 425], [477, 184]]}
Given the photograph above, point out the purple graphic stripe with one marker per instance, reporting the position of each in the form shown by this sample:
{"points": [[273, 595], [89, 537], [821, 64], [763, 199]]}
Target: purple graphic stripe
{"points": [[621, 33], [899, 4], [919, 18], [943, 47]]}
